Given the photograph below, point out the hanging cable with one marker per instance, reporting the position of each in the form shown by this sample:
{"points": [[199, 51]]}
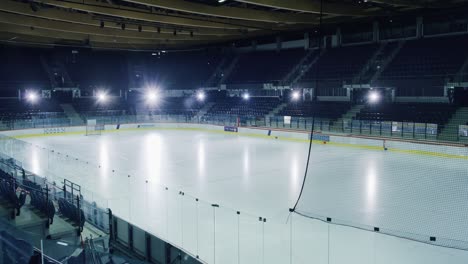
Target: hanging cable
{"points": [[317, 73]]}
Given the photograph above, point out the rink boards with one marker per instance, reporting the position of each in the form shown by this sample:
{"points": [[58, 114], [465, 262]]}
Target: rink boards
{"points": [[389, 144]]}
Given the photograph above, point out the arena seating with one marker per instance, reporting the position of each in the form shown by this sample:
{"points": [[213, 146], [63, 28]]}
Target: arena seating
{"points": [[406, 112], [21, 67], [19, 110], [114, 106], [187, 106], [181, 70], [425, 63], [264, 66], [17, 198], [71, 212], [325, 110], [88, 69], [421, 68], [237, 106], [340, 64], [433, 57], [39, 200], [8, 193], [44, 205], [380, 58], [15, 249]]}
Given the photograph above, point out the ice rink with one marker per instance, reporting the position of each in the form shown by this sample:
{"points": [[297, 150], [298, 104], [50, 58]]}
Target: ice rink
{"points": [[261, 178]]}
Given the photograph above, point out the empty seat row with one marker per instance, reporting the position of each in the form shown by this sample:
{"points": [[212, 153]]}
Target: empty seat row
{"points": [[43, 203], [71, 212], [326, 110], [8, 192], [15, 249], [253, 107], [406, 112]]}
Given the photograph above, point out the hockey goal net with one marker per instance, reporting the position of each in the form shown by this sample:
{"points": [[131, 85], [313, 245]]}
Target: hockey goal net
{"points": [[93, 128]]}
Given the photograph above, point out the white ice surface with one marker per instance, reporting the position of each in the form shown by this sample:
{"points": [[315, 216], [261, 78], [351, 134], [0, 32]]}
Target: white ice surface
{"points": [[260, 178]]}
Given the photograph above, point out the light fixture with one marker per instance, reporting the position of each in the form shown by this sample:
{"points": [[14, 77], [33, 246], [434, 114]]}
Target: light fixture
{"points": [[246, 96], [201, 96], [373, 96], [102, 97], [151, 96], [295, 95], [32, 96]]}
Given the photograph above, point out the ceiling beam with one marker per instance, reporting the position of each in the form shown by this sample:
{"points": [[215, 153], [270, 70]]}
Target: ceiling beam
{"points": [[310, 6], [411, 3], [41, 41], [84, 38], [15, 19], [91, 6], [228, 12], [56, 14]]}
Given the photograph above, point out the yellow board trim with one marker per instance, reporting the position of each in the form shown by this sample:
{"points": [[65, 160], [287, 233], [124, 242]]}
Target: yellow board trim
{"points": [[358, 146]]}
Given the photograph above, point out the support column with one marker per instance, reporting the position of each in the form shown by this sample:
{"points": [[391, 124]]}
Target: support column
{"points": [[254, 45], [419, 27], [279, 43], [338, 37], [306, 41], [375, 31]]}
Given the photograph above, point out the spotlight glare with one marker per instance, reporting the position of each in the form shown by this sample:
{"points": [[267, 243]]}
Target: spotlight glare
{"points": [[296, 95], [151, 96], [102, 97], [32, 97], [374, 97], [201, 96], [246, 96]]}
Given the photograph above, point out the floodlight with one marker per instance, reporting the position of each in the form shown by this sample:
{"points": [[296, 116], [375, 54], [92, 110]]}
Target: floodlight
{"points": [[201, 96], [102, 97], [296, 95], [151, 96], [32, 97], [374, 97], [246, 96]]}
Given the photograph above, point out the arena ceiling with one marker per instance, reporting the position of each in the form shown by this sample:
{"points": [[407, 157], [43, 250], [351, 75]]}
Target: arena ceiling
{"points": [[161, 24]]}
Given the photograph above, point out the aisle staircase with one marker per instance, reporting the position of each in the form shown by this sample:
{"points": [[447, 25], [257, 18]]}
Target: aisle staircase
{"points": [[225, 70], [216, 75], [205, 109], [295, 71], [56, 72], [352, 112], [275, 111], [462, 74], [387, 61], [295, 75], [371, 66], [71, 113], [450, 130]]}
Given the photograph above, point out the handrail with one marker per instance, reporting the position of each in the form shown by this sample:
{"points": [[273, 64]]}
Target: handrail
{"points": [[49, 258]]}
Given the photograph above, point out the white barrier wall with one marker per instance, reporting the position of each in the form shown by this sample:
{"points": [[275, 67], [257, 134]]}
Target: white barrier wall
{"points": [[44, 131], [415, 147], [328, 243]]}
